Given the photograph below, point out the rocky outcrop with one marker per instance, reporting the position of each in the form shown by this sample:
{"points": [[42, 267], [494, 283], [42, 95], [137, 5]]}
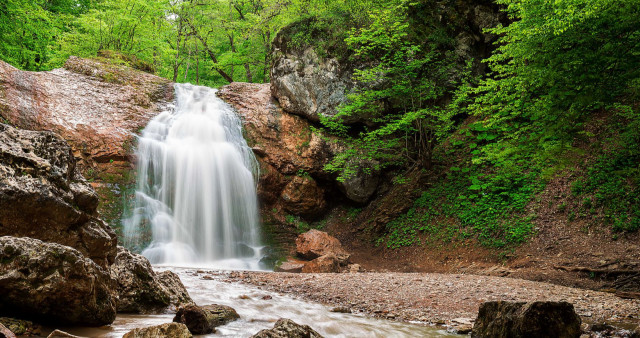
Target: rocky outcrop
{"points": [[360, 185], [141, 290], [287, 328], [95, 105], [291, 154], [324, 264], [520, 319], [205, 319], [44, 196], [314, 244], [304, 83], [50, 282], [169, 330]]}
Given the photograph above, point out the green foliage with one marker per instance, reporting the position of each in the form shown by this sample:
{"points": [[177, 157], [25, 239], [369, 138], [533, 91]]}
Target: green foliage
{"points": [[399, 91], [469, 203]]}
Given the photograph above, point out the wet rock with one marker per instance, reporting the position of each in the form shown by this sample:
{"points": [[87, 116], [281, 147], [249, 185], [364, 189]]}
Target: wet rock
{"points": [[323, 264], [21, 327], [169, 330], [533, 319], [205, 319], [285, 145], [141, 290], [43, 195], [314, 243], [360, 185], [96, 105], [6, 333], [302, 196], [62, 334], [294, 266], [287, 328], [53, 283], [341, 309]]}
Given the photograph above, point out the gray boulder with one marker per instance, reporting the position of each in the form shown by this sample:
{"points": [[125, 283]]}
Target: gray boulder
{"points": [[361, 184], [533, 320], [43, 196], [287, 328], [49, 282], [141, 290]]}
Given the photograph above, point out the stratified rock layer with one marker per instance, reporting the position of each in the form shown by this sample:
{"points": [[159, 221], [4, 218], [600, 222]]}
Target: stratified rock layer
{"points": [[96, 106], [43, 196], [141, 290], [501, 319], [50, 282]]}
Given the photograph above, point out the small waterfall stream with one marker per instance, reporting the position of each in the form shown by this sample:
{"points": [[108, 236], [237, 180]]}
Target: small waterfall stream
{"points": [[196, 193]]}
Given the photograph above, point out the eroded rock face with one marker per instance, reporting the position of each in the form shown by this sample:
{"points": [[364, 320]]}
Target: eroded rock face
{"points": [[169, 330], [43, 195], [141, 290], [520, 319], [286, 147], [95, 106], [205, 319], [314, 243], [306, 84], [303, 196], [287, 328], [50, 282]]}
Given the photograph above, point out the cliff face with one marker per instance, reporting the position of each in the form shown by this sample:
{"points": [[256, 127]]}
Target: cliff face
{"points": [[96, 106]]}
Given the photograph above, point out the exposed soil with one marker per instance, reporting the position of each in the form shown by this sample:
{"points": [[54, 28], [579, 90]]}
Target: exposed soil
{"points": [[433, 298]]}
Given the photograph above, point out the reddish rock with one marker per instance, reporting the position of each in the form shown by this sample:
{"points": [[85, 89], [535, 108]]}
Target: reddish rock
{"points": [[314, 243], [285, 146], [302, 196], [290, 265], [323, 264], [96, 106]]}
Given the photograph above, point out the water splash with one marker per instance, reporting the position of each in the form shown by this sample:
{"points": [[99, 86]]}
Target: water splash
{"points": [[196, 192]]}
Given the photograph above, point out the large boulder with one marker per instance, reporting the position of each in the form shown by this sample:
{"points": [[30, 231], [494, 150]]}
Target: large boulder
{"points": [[141, 290], [44, 196], [287, 328], [323, 264], [205, 319], [534, 319], [360, 185], [169, 330], [49, 282], [315, 243]]}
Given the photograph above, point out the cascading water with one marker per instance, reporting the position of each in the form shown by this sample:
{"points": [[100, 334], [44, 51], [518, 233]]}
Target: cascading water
{"points": [[196, 192]]}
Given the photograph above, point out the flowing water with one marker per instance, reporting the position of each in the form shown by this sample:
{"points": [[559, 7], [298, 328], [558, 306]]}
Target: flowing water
{"points": [[196, 193], [196, 200], [257, 313]]}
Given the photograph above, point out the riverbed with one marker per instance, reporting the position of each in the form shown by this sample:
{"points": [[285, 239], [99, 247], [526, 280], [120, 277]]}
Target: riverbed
{"points": [[259, 309]]}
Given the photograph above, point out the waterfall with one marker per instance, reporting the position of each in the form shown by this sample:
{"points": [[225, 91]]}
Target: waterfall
{"points": [[196, 191]]}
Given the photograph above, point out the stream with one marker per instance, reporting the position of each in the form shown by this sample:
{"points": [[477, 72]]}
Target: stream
{"points": [[257, 313]]}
